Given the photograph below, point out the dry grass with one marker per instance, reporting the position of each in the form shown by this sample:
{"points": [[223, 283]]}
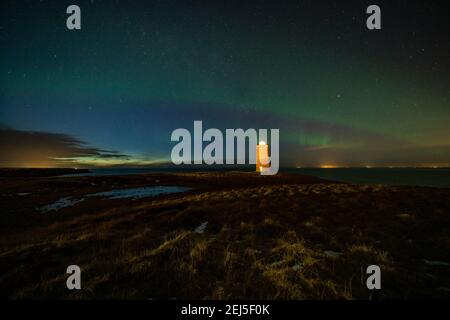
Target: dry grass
{"points": [[266, 242]]}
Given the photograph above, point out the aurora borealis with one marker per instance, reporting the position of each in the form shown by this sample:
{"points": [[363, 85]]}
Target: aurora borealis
{"points": [[111, 93]]}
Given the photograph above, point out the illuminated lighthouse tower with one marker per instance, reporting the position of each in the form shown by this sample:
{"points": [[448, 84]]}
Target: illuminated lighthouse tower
{"points": [[262, 156]]}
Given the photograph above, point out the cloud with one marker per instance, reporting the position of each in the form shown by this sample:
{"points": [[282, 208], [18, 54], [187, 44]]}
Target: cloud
{"points": [[46, 149], [303, 141]]}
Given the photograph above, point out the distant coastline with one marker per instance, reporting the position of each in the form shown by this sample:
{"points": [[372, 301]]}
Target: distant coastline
{"points": [[39, 172], [425, 177]]}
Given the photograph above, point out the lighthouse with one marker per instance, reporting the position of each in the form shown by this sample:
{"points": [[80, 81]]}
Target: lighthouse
{"points": [[262, 156]]}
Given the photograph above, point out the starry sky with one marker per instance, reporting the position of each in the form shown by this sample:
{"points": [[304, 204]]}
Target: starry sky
{"points": [[111, 93]]}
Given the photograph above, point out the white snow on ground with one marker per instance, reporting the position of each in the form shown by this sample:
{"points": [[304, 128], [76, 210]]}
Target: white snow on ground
{"points": [[332, 254], [201, 228], [436, 263], [276, 264]]}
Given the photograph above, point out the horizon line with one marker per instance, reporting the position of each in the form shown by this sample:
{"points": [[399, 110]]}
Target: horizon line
{"points": [[231, 167]]}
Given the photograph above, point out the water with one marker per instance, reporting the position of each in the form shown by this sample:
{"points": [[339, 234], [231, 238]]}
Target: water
{"points": [[60, 204], [131, 193], [390, 176], [137, 193]]}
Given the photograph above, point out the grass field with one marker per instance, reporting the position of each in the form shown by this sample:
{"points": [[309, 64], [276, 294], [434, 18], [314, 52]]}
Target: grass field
{"points": [[232, 236]]}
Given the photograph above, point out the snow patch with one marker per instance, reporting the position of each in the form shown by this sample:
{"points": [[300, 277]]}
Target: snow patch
{"points": [[436, 263], [332, 254], [201, 228]]}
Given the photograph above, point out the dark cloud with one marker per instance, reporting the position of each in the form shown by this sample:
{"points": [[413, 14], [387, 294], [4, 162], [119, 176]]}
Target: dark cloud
{"points": [[36, 149]]}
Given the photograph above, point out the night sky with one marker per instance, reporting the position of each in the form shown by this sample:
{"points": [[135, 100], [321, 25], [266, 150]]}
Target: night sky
{"points": [[112, 93]]}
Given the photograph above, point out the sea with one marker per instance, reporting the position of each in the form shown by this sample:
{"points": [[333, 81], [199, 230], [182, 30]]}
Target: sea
{"points": [[429, 177]]}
